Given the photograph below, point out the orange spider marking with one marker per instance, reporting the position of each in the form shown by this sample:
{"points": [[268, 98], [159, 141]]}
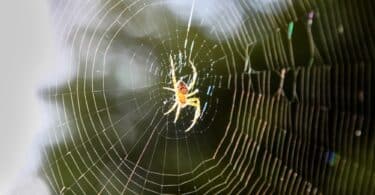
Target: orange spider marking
{"points": [[182, 88]]}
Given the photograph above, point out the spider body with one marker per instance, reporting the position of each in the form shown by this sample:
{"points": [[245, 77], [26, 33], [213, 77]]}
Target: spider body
{"points": [[182, 91], [182, 96]]}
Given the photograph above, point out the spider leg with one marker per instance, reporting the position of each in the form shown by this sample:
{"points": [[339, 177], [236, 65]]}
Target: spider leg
{"points": [[195, 102], [192, 93], [169, 89], [173, 71], [171, 109], [191, 85], [177, 113]]}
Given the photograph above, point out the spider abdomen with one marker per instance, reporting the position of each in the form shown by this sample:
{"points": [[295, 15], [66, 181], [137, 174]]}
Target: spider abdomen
{"points": [[182, 88]]}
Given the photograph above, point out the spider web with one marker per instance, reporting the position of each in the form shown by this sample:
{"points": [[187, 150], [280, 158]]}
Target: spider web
{"points": [[285, 91]]}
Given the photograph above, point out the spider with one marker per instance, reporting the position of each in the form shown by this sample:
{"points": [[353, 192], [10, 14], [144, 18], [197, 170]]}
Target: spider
{"points": [[182, 96]]}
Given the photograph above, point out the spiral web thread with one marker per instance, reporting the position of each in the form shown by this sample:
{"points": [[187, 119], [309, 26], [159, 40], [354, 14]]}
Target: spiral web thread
{"points": [[285, 89]]}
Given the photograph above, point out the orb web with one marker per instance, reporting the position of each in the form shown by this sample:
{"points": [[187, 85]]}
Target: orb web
{"points": [[285, 91]]}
